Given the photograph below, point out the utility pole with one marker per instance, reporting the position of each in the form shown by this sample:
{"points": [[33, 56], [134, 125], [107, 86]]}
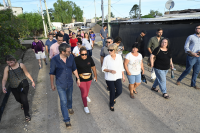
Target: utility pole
{"points": [[109, 15], [140, 9], [9, 4], [4, 3], [50, 26], [102, 8], [45, 31], [95, 12]]}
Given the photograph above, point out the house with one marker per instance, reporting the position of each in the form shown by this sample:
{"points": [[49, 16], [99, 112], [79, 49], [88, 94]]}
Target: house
{"points": [[16, 10]]}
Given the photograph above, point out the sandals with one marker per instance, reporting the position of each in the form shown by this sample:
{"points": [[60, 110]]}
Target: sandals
{"points": [[28, 118], [166, 96], [132, 96], [134, 91], [154, 89], [22, 107]]}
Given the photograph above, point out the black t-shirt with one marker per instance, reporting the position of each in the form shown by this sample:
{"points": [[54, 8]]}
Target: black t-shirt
{"points": [[84, 66], [79, 37], [66, 38], [162, 61], [140, 41]]}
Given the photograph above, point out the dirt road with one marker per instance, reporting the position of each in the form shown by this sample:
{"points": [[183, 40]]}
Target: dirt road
{"points": [[149, 112]]}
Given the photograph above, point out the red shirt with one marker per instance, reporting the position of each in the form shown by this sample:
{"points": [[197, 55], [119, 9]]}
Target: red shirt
{"points": [[73, 42]]}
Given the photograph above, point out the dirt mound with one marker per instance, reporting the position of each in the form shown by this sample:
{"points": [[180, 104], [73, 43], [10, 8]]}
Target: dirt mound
{"points": [[96, 28]]}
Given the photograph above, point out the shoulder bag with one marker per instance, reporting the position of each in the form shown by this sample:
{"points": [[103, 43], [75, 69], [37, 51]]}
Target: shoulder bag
{"points": [[149, 62]]}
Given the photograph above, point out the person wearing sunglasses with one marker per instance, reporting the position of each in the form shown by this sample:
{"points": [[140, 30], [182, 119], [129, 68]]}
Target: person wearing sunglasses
{"points": [[76, 50], [84, 64], [133, 65], [193, 57], [114, 72]]}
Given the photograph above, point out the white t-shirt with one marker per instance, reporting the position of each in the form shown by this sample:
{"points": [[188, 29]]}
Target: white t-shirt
{"points": [[134, 65], [87, 44], [111, 64], [76, 51]]}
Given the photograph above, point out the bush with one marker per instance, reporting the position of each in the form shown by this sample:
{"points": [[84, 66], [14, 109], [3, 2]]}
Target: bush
{"points": [[11, 29]]}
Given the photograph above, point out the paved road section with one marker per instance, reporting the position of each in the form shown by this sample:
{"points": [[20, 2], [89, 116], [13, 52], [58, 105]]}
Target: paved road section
{"points": [[149, 112]]}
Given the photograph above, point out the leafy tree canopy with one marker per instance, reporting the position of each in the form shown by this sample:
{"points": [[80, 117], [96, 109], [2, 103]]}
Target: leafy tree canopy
{"points": [[134, 12], [65, 11], [155, 13]]}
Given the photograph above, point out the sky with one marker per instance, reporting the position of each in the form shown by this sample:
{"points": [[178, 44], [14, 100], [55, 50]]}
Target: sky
{"points": [[120, 8]]}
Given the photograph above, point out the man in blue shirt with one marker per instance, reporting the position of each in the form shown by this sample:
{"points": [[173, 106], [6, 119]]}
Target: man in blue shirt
{"points": [[192, 48], [104, 34], [62, 66], [65, 36], [49, 42]]}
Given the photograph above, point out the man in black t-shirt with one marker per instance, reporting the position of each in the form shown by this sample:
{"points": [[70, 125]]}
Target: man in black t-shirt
{"points": [[78, 36], [65, 36], [140, 41]]}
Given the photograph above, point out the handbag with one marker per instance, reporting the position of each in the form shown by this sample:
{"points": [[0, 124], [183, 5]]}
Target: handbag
{"points": [[149, 62], [85, 75], [24, 83]]}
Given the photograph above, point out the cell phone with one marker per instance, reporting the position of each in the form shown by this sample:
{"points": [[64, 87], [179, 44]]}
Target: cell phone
{"points": [[95, 80]]}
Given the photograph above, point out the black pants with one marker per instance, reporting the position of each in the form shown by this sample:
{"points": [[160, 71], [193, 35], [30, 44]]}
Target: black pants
{"points": [[112, 85], [21, 97]]}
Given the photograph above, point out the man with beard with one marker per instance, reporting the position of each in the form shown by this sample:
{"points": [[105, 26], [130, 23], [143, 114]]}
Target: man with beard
{"points": [[192, 48], [62, 66], [154, 43], [140, 41]]}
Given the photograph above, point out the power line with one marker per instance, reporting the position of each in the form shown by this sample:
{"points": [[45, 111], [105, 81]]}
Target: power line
{"points": [[118, 12], [115, 2]]}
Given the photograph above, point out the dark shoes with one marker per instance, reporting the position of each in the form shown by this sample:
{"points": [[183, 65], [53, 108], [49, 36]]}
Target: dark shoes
{"points": [[166, 96], [154, 89], [195, 87], [71, 111], [68, 124], [112, 109]]}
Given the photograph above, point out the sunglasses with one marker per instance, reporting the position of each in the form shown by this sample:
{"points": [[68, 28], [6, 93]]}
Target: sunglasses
{"points": [[110, 50], [83, 54], [107, 42]]}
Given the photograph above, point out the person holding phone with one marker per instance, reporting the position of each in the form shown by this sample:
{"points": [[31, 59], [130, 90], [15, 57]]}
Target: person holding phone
{"points": [[16, 72], [84, 64]]}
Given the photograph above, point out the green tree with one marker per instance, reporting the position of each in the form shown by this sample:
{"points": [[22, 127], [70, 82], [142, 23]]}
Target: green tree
{"points": [[11, 29], [147, 16], [134, 11], [1, 4], [155, 13], [65, 11], [112, 15], [34, 21]]}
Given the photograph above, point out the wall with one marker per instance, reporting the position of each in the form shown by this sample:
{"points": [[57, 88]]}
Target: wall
{"points": [[176, 31]]}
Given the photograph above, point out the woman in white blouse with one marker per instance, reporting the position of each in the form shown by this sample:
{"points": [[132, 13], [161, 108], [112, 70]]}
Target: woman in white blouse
{"points": [[114, 72], [87, 42]]}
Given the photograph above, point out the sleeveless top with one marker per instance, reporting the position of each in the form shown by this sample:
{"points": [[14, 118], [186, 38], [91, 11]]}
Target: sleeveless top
{"points": [[12, 78]]}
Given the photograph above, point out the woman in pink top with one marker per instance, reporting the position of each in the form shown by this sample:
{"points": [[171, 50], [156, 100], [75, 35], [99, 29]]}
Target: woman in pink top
{"points": [[82, 34]]}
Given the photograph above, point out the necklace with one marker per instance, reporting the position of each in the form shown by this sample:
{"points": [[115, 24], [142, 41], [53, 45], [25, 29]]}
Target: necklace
{"points": [[165, 52]]}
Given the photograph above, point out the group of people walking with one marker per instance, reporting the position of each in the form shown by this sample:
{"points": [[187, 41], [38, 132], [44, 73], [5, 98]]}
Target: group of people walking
{"points": [[74, 57]]}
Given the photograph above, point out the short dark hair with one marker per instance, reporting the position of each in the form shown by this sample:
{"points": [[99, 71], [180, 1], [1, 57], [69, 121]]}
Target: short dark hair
{"points": [[117, 39], [63, 46], [10, 58], [136, 45], [105, 25], [80, 42], [59, 35], [197, 25], [50, 34], [143, 31], [92, 31], [83, 48], [110, 38], [167, 41], [159, 29]]}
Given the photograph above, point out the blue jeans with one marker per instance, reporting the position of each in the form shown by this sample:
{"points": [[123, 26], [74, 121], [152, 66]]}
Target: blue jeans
{"points": [[160, 80], [89, 52], [104, 41], [65, 95], [134, 78], [191, 62]]}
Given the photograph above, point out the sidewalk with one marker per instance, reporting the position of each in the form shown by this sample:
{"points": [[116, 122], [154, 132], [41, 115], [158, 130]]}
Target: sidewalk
{"points": [[149, 112]]}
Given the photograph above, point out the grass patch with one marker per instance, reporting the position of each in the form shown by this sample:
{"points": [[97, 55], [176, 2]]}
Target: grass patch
{"points": [[125, 52]]}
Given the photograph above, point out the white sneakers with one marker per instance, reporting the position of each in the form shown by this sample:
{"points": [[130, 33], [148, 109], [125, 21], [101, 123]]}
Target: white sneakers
{"points": [[86, 109], [88, 99]]}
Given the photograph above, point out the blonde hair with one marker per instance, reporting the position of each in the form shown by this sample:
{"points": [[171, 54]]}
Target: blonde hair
{"points": [[113, 46]]}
